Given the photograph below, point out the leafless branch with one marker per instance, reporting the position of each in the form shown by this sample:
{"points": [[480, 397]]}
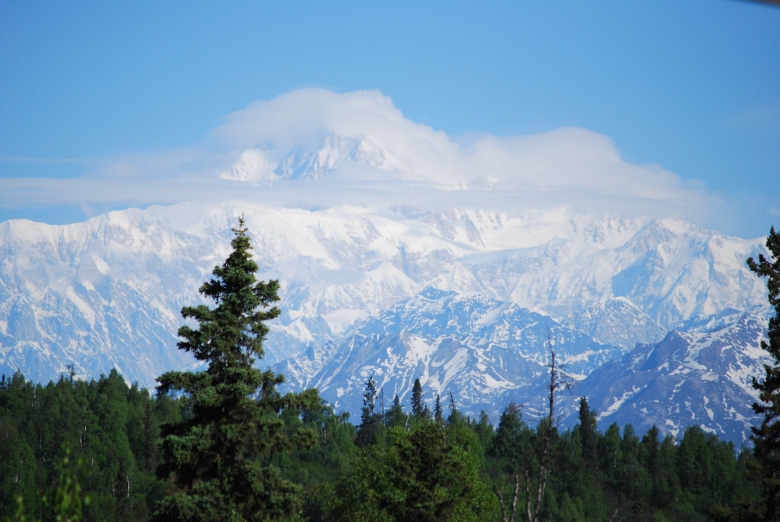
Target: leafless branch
{"points": [[557, 383]]}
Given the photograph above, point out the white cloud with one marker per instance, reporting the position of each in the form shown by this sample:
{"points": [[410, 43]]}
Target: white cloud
{"points": [[318, 147], [253, 165]]}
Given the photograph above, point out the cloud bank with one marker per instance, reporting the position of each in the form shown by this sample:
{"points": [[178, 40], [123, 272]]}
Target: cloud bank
{"points": [[314, 147]]}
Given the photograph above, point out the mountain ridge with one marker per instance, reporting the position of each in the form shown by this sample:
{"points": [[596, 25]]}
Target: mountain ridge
{"points": [[107, 293]]}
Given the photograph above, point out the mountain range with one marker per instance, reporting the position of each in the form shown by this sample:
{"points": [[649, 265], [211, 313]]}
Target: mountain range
{"points": [[657, 320]]}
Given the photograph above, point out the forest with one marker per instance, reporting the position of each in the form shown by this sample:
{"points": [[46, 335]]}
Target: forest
{"points": [[432, 465], [226, 444]]}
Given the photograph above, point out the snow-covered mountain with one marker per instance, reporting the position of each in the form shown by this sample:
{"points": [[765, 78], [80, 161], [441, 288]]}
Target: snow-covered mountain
{"points": [[107, 292], [487, 353], [701, 376], [616, 321], [483, 351], [259, 164]]}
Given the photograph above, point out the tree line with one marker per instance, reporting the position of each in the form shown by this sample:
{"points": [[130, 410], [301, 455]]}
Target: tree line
{"points": [[430, 463], [226, 445], [112, 428]]}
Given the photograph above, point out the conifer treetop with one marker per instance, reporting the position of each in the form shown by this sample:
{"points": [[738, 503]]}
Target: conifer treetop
{"points": [[220, 458], [233, 332]]}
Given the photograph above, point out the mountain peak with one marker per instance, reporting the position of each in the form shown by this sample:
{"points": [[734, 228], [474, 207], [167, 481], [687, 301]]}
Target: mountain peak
{"points": [[270, 163], [434, 294]]}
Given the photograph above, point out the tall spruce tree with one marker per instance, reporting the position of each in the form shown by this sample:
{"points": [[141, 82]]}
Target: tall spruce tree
{"points": [[652, 451], [220, 457], [370, 421], [588, 436], [438, 412], [395, 415], [767, 436], [418, 407]]}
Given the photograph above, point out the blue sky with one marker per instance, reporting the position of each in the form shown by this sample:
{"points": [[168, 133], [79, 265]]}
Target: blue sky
{"points": [[693, 86]]}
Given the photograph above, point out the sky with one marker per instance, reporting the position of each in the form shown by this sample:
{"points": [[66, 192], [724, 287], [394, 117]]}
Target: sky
{"points": [[110, 105]]}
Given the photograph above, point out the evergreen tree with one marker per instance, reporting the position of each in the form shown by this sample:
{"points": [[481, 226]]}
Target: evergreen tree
{"points": [[150, 436], [666, 490], [588, 436], [652, 452], [369, 401], [438, 412], [455, 416], [635, 482], [418, 407], [767, 437], [512, 440], [102, 422], [416, 471], [220, 456], [395, 415], [370, 421], [610, 456], [483, 429]]}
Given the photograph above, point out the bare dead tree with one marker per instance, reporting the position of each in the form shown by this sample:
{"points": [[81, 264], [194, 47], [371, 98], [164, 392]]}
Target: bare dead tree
{"points": [[533, 499]]}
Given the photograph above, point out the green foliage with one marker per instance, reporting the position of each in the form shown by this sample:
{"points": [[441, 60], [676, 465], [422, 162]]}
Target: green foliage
{"points": [[438, 412], [587, 433], [455, 416], [767, 436], [395, 415], [652, 452], [483, 429], [66, 503], [103, 423], [420, 410], [318, 467], [426, 474], [220, 457], [420, 469], [696, 479], [371, 422], [68, 500], [513, 439]]}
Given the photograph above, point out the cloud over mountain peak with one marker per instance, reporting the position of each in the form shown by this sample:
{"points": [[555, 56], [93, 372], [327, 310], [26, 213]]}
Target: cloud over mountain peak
{"points": [[322, 121], [318, 147]]}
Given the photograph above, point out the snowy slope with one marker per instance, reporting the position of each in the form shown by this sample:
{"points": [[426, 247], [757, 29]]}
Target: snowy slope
{"points": [[107, 292], [616, 321], [701, 376], [486, 352]]}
